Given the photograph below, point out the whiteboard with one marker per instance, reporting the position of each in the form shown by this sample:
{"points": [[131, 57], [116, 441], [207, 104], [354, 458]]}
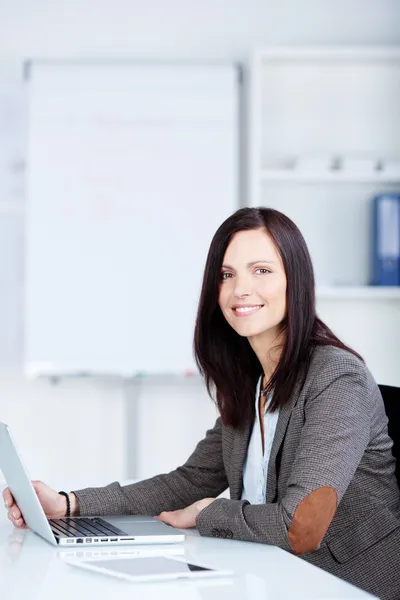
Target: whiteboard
{"points": [[131, 169]]}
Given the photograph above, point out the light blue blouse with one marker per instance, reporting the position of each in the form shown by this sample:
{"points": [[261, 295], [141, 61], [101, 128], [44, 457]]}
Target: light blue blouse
{"points": [[255, 470]]}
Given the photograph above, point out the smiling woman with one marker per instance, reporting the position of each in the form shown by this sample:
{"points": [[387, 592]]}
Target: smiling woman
{"points": [[257, 313], [253, 287], [301, 441]]}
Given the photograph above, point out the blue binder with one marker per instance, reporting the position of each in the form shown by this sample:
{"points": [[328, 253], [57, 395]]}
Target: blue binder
{"points": [[386, 239]]}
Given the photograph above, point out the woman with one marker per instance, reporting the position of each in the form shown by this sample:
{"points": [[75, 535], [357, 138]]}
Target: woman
{"points": [[302, 438]]}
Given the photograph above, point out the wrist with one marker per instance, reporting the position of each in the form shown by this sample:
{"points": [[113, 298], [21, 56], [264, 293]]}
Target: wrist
{"points": [[73, 505], [204, 503], [73, 502]]}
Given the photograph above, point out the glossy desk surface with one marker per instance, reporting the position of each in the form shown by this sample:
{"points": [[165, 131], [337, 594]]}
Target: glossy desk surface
{"points": [[33, 569]]}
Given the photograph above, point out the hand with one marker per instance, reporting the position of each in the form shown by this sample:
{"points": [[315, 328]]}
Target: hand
{"points": [[186, 517], [53, 504]]}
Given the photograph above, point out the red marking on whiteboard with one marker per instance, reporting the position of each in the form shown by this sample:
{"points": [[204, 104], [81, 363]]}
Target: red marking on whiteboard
{"points": [[189, 373]]}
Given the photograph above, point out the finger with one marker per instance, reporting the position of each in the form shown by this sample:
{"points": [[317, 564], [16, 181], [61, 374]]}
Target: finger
{"points": [[171, 517], [166, 517], [16, 513], [7, 497], [17, 522], [20, 523]]}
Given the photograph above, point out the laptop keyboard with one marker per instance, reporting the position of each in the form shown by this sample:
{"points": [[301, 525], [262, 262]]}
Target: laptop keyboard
{"points": [[84, 527]]}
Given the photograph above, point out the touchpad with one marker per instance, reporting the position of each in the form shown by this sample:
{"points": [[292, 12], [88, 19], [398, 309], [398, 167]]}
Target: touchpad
{"points": [[129, 518], [138, 528]]}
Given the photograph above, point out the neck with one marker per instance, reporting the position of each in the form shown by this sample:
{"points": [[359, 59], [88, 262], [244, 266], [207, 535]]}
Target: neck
{"points": [[268, 349]]}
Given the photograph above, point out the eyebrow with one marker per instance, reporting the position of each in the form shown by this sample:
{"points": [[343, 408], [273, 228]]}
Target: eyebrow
{"points": [[252, 263]]}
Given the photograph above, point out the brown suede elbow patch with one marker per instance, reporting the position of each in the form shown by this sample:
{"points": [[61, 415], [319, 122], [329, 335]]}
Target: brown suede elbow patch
{"points": [[312, 519]]}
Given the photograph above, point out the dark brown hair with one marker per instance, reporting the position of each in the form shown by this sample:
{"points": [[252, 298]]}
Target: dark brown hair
{"points": [[226, 360]]}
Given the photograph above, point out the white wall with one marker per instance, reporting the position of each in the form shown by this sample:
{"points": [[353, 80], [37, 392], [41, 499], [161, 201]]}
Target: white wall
{"points": [[73, 431], [80, 429], [185, 28]]}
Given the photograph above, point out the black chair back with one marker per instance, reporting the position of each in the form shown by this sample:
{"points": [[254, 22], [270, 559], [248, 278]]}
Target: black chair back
{"points": [[391, 399]]}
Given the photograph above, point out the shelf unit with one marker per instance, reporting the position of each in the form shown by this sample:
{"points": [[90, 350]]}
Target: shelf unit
{"points": [[298, 176], [324, 138], [310, 107], [366, 292]]}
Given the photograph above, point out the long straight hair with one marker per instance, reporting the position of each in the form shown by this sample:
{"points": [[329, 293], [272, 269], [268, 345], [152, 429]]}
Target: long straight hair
{"points": [[226, 360]]}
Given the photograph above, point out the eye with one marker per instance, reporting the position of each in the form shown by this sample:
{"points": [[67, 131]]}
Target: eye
{"points": [[225, 275], [262, 271]]}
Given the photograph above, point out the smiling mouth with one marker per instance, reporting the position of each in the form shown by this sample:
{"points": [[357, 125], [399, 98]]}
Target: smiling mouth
{"points": [[246, 311]]}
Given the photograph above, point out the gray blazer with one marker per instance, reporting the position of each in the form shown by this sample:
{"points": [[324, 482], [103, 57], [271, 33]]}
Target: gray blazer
{"points": [[332, 432]]}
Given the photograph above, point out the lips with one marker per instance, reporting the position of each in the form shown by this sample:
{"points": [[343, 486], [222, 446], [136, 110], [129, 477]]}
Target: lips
{"points": [[245, 310]]}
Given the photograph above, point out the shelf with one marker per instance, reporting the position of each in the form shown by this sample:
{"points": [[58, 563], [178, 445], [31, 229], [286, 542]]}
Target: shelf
{"points": [[329, 53], [366, 292], [297, 176]]}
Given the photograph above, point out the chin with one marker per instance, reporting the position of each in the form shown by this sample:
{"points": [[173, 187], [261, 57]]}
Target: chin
{"points": [[249, 332]]}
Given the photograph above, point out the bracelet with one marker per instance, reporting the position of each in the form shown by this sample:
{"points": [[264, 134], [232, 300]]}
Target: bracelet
{"points": [[68, 503]]}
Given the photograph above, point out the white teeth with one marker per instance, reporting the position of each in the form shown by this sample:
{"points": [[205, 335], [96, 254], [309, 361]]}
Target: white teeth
{"points": [[247, 308]]}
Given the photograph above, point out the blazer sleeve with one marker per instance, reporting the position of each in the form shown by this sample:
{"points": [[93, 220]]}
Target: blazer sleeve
{"points": [[333, 439], [202, 476]]}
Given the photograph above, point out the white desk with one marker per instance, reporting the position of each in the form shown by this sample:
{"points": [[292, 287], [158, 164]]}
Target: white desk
{"points": [[30, 568]]}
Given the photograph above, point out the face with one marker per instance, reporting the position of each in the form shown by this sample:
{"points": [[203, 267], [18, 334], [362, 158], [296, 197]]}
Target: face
{"points": [[252, 294]]}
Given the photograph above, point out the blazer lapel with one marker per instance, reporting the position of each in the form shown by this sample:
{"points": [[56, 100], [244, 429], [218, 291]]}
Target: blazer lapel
{"points": [[239, 451], [240, 445], [280, 432]]}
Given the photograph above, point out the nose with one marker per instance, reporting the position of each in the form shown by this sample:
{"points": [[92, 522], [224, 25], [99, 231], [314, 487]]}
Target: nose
{"points": [[242, 287]]}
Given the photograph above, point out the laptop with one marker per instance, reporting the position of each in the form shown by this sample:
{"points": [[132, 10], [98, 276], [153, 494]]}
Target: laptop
{"points": [[99, 531]]}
